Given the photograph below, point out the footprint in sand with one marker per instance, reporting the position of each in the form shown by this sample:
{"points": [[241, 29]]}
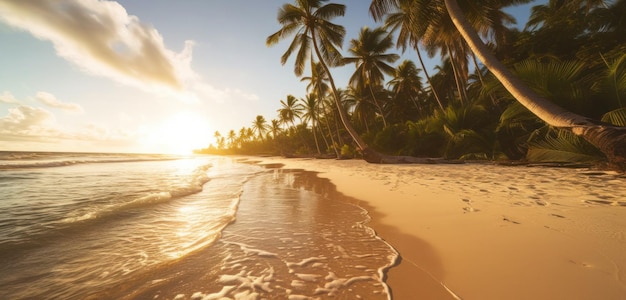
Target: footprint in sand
{"points": [[469, 208], [600, 202], [509, 220]]}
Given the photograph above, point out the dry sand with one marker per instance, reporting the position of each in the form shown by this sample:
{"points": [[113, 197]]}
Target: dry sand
{"points": [[476, 231]]}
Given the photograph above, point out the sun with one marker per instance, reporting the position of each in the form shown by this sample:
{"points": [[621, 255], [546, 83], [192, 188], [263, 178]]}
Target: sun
{"points": [[180, 133]]}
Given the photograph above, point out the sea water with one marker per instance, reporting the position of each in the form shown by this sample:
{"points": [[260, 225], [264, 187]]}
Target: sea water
{"points": [[132, 226]]}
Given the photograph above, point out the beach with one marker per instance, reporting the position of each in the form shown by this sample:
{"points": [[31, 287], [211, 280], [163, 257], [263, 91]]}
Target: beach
{"points": [[121, 226], [482, 231]]}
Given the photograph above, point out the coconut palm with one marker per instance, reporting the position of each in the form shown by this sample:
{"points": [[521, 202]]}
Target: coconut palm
{"points": [[401, 21], [406, 85], [318, 84], [611, 140], [310, 22], [232, 138], [260, 126], [310, 105], [369, 54], [289, 111], [274, 128]]}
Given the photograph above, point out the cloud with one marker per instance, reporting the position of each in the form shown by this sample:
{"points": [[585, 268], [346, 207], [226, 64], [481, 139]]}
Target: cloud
{"points": [[51, 100], [32, 124], [7, 97], [27, 123], [102, 39]]}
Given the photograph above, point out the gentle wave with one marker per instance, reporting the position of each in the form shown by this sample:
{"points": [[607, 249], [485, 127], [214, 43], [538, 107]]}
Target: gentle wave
{"points": [[68, 162], [198, 179]]}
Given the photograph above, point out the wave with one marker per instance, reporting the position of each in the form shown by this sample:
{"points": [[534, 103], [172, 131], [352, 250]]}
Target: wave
{"points": [[194, 185], [69, 162], [20, 160]]}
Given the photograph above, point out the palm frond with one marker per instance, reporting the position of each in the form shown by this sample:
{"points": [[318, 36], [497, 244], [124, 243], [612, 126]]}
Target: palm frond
{"points": [[616, 117], [555, 145]]}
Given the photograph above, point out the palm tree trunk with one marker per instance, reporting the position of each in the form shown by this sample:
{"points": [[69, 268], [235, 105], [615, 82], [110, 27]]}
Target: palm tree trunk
{"points": [[611, 140], [330, 132], [380, 109], [457, 76], [369, 155], [432, 88], [480, 77], [314, 129]]}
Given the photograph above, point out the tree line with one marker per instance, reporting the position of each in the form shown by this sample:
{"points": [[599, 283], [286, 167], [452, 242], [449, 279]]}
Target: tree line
{"points": [[554, 91]]}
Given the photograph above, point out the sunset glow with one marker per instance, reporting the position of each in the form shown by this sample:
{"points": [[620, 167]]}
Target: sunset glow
{"points": [[179, 134]]}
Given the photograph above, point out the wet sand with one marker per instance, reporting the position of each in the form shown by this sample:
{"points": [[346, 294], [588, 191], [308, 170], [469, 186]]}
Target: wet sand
{"points": [[476, 231]]}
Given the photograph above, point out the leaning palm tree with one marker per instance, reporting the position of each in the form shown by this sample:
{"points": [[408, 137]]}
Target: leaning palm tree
{"points": [[611, 140], [310, 21], [369, 54]]}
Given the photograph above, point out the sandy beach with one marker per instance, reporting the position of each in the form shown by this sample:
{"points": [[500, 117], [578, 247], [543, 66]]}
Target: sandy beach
{"points": [[479, 231]]}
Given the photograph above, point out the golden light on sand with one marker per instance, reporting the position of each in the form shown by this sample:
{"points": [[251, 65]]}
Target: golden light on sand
{"points": [[180, 134]]}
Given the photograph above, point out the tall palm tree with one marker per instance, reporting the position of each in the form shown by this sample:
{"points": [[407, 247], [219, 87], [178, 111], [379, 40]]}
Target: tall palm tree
{"points": [[611, 140], [369, 54], [401, 20], [406, 85], [426, 22], [260, 126], [310, 21], [311, 114], [318, 84]]}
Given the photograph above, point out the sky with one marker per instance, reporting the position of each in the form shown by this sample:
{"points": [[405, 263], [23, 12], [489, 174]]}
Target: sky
{"points": [[138, 76]]}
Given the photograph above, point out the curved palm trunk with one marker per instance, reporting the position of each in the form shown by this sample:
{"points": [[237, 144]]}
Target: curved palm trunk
{"points": [[611, 140], [369, 155]]}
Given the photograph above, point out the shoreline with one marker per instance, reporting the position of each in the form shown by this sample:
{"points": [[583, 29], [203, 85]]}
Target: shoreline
{"points": [[475, 231]]}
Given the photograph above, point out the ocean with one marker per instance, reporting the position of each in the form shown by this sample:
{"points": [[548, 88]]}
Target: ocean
{"points": [[142, 226]]}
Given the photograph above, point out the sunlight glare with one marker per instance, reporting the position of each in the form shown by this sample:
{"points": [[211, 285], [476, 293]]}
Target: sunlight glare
{"points": [[180, 134]]}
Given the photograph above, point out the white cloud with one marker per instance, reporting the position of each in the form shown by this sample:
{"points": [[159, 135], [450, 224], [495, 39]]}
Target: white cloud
{"points": [[32, 124], [27, 123], [103, 39], [7, 97], [51, 100]]}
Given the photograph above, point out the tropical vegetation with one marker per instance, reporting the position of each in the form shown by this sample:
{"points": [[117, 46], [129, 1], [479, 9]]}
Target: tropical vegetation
{"points": [[552, 91]]}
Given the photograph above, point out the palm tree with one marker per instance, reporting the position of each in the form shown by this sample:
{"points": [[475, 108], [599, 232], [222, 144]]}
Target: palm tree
{"points": [[406, 86], [274, 128], [260, 126], [611, 140], [289, 111], [318, 84], [401, 21], [311, 114], [232, 138], [218, 139], [310, 21], [372, 61]]}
